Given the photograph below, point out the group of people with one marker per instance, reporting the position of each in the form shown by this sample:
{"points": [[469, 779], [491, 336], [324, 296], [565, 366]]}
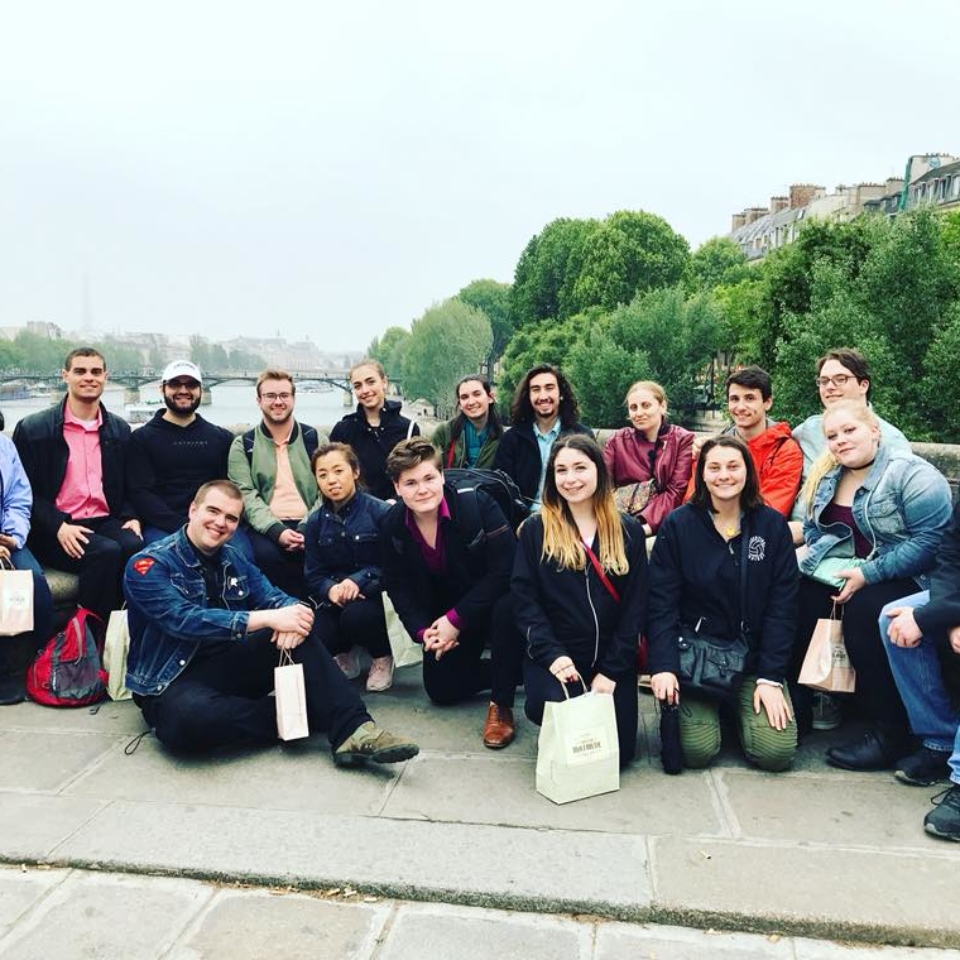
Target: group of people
{"points": [[289, 541]]}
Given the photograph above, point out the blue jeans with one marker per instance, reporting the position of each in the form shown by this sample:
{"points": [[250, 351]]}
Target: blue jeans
{"points": [[920, 682]]}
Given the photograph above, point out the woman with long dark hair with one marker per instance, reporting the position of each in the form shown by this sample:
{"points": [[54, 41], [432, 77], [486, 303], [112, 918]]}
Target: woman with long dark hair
{"points": [[724, 565], [578, 588], [471, 438]]}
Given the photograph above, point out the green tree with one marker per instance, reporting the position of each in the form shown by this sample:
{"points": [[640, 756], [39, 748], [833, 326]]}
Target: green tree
{"points": [[41, 355], [629, 253], [717, 261], [390, 350], [493, 299], [450, 339], [939, 388]]}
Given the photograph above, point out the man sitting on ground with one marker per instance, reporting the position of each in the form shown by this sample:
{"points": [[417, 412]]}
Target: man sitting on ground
{"points": [[205, 630]]}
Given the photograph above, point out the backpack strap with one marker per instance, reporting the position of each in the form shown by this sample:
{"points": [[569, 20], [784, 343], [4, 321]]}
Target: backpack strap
{"points": [[311, 439], [451, 452], [248, 439]]}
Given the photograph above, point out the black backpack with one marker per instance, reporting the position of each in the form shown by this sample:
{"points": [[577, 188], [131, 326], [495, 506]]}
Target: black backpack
{"points": [[496, 484]]}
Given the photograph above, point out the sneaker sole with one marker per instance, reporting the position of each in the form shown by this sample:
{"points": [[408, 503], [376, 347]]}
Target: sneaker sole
{"points": [[934, 832], [901, 777], [395, 754], [379, 687], [823, 725]]}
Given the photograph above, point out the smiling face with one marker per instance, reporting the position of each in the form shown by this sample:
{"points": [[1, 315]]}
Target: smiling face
{"points": [[336, 478], [575, 475], [369, 387], [748, 409], [544, 393], [837, 383], [213, 520], [724, 474], [474, 401], [276, 400], [181, 395], [850, 438], [421, 488], [645, 411], [85, 378]]}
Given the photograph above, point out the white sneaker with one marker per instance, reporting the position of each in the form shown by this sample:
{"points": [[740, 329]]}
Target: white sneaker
{"points": [[380, 677], [349, 663]]}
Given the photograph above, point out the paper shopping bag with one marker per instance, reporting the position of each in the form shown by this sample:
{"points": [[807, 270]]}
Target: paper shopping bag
{"points": [[826, 665], [291, 699], [16, 600], [578, 754], [405, 652], [115, 649]]}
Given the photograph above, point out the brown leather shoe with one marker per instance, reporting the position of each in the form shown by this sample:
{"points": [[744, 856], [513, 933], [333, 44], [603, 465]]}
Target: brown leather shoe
{"points": [[499, 730]]}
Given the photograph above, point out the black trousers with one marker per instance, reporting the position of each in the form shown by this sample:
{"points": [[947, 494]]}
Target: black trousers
{"points": [[876, 688], [359, 622], [283, 568], [460, 673], [541, 685], [222, 697], [100, 569]]}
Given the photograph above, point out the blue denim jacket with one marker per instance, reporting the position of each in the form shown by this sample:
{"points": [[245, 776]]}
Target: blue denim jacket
{"points": [[168, 616], [16, 498], [903, 508]]}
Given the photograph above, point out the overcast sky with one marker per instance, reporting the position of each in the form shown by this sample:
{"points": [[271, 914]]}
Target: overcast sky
{"points": [[329, 170]]}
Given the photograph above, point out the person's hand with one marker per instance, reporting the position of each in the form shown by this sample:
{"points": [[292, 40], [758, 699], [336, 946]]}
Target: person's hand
{"points": [[7, 541], [4, 552], [954, 637], [602, 684], [564, 670], [73, 538], [291, 540], [903, 631], [287, 640], [698, 442], [134, 527], [293, 619], [665, 687], [441, 637], [855, 580], [774, 704], [344, 592]]}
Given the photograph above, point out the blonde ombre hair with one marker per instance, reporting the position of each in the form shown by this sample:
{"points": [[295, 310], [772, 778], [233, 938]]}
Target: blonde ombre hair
{"points": [[561, 538]]}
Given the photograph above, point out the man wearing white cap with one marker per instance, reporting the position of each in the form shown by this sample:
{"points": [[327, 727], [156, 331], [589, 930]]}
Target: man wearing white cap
{"points": [[175, 453]]}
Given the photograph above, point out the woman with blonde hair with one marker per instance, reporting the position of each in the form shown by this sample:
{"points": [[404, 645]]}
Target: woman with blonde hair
{"points": [[578, 588], [884, 510], [651, 460]]}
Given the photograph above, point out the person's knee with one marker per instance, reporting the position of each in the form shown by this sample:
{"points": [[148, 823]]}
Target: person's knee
{"points": [[533, 709], [699, 736], [769, 749]]}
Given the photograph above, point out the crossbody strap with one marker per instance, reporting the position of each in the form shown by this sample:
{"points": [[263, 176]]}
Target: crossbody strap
{"points": [[602, 574], [744, 550]]}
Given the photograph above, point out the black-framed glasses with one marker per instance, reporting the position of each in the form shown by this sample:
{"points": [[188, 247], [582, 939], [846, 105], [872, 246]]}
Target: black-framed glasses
{"points": [[837, 380]]}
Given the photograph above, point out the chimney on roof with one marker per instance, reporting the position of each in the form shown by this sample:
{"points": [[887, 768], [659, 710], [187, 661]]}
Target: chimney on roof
{"points": [[754, 213], [737, 221], [893, 185], [779, 203], [802, 193]]}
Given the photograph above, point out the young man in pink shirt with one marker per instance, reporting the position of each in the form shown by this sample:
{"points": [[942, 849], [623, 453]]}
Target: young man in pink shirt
{"points": [[74, 455]]}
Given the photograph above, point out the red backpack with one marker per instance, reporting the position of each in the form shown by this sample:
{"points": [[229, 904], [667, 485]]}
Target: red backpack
{"points": [[68, 671]]}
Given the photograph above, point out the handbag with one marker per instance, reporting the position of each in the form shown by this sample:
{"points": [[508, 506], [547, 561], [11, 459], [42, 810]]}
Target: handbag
{"points": [[115, 650], [405, 652], [826, 665], [578, 753], [713, 667], [633, 497], [291, 698], [16, 600], [827, 569]]}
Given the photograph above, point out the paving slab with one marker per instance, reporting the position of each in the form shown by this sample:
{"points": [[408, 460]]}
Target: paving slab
{"points": [[93, 915], [254, 924], [31, 826], [438, 933], [21, 889], [619, 941], [122, 718], [30, 769], [447, 788], [895, 897], [502, 866]]}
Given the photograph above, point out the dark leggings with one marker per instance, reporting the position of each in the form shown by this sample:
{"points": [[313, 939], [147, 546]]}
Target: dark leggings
{"points": [[541, 685], [359, 622], [876, 688]]}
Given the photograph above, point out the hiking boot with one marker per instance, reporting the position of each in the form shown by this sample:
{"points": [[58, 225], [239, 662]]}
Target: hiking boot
{"points": [[876, 750], [924, 768], [499, 728], [370, 742], [944, 819], [380, 677], [827, 711], [349, 663]]}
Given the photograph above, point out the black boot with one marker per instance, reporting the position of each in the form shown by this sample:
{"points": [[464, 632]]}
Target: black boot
{"points": [[13, 676], [878, 749]]}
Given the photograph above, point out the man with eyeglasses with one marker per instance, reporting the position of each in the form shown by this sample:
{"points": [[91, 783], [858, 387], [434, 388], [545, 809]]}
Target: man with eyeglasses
{"points": [[75, 457], [271, 466], [175, 453]]}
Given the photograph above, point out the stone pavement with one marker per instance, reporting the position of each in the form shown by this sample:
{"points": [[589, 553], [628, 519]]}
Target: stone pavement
{"points": [[815, 852]]}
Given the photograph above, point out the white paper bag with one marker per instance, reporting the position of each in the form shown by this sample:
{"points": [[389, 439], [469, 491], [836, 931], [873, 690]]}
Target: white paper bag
{"points": [[406, 652], [115, 649], [16, 600], [291, 699], [578, 754]]}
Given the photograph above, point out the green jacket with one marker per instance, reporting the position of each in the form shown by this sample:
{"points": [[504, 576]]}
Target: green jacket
{"points": [[441, 440], [252, 466]]}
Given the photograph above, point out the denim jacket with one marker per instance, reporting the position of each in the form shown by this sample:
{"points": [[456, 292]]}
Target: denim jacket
{"points": [[344, 544], [16, 498], [168, 616], [903, 508]]}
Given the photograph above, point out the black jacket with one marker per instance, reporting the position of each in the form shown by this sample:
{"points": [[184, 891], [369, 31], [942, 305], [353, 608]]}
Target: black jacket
{"points": [[372, 444], [519, 456], [478, 564], [695, 573], [942, 613], [167, 465], [44, 452], [571, 613]]}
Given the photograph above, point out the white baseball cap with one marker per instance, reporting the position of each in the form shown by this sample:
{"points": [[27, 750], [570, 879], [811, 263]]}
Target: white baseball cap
{"points": [[181, 368]]}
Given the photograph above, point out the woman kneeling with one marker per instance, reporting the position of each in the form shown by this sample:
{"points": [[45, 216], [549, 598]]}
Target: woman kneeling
{"points": [[724, 565]]}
